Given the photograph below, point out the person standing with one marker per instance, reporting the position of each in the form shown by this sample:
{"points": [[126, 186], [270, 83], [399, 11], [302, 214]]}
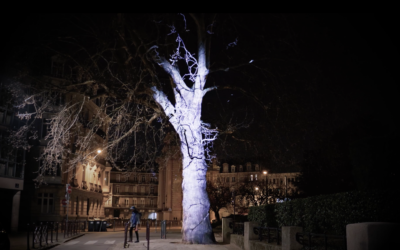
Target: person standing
{"points": [[135, 217]]}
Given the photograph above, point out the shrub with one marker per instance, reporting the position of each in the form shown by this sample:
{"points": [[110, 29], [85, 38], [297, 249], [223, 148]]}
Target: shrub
{"points": [[330, 213], [264, 214]]}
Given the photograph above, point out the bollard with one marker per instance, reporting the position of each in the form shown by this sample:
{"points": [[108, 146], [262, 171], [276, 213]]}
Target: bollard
{"points": [[148, 234], [27, 238], [163, 229], [57, 231], [126, 236], [33, 236]]}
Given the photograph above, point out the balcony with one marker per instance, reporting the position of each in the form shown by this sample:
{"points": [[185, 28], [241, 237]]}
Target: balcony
{"points": [[84, 185], [145, 205], [74, 182], [136, 193]]}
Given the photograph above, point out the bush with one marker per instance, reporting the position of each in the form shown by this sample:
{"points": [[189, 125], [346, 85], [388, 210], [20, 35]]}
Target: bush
{"points": [[264, 214], [330, 213]]}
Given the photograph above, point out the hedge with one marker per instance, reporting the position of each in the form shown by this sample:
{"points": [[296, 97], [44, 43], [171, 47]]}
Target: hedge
{"points": [[330, 213]]}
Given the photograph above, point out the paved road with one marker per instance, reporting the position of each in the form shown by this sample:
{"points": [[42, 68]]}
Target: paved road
{"points": [[111, 240], [114, 241]]}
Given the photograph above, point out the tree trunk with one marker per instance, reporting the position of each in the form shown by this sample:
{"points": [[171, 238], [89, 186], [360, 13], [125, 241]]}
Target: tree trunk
{"points": [[196, 206]]}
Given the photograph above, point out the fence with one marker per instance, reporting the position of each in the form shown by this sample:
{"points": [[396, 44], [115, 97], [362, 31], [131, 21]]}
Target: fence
{"points": [[269, 233], [41, 231], [320, 241], [237, 227], [119, 224]]}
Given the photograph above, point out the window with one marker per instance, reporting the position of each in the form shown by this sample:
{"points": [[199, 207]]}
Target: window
{"points": [[251, 177], [233, 168], [151, 202], [134, 201], [281, 181], [126, 188], [106, 179], [118, 177], [45, 201], [151, 190], [241, 168], [87, 206], [117, 189], [233, 179], [255, 177], [2, 169], [143, 189], [142, 201], [77, 206], [143, 178], [126, 202], [273, 181], [227, 179]]}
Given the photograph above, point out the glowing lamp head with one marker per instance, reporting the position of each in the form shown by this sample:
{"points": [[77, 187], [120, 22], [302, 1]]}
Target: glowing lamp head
{"points": [[265, 172], [98, 151], [256, 188]]}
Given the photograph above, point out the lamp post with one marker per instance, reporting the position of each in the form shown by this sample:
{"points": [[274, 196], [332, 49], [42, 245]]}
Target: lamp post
{"points": [[266, 184], [233, 202]]}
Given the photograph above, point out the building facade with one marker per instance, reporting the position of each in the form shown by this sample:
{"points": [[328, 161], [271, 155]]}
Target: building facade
{"points": [[12, 165], [139, 189], [89, 180]]}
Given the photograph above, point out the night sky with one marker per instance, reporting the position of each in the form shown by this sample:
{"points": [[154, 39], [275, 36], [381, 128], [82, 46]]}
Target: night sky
{"points": [[338, 85]]}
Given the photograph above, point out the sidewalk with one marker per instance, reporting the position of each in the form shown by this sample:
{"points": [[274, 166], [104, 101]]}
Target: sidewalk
{"points": [[174, 241], [18, 241]]}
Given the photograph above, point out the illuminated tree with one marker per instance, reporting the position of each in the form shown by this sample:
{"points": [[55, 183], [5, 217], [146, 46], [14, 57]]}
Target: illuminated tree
{"points": [[117, 66]]}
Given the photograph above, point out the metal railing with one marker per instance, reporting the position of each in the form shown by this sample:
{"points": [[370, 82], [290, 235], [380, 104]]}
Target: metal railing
{"points": [[72, 228], [237, 227], [270, 234], [43, 234], [320, 241]]}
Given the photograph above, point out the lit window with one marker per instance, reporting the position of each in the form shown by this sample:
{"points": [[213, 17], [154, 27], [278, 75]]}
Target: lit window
{"points": [[251, 177]]}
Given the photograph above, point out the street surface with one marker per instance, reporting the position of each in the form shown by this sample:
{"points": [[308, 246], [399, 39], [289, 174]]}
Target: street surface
{"points": [[115, 241]]}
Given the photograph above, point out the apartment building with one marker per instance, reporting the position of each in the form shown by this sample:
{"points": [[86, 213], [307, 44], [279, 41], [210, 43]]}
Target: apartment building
{"points": [[139, 189], [12, 165], [89, 180]]}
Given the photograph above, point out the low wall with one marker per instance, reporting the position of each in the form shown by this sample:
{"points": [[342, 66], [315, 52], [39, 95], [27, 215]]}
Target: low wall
{"points": [[260, 245], [237, 240], [250, 241]]}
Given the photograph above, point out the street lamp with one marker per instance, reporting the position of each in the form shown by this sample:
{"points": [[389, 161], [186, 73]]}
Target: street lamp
{"points": [[266, 185], [98, 151]]}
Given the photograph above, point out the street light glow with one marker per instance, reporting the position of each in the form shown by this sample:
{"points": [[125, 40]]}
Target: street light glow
{"points": [[98, 151], [265, 172]]}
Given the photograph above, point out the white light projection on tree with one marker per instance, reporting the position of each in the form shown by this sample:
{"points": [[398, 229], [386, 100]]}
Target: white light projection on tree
{"points": [[185, 116]]}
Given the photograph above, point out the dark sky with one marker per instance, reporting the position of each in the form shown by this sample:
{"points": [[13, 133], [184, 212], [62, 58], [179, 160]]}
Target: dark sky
{"points": [[356, 56]]}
